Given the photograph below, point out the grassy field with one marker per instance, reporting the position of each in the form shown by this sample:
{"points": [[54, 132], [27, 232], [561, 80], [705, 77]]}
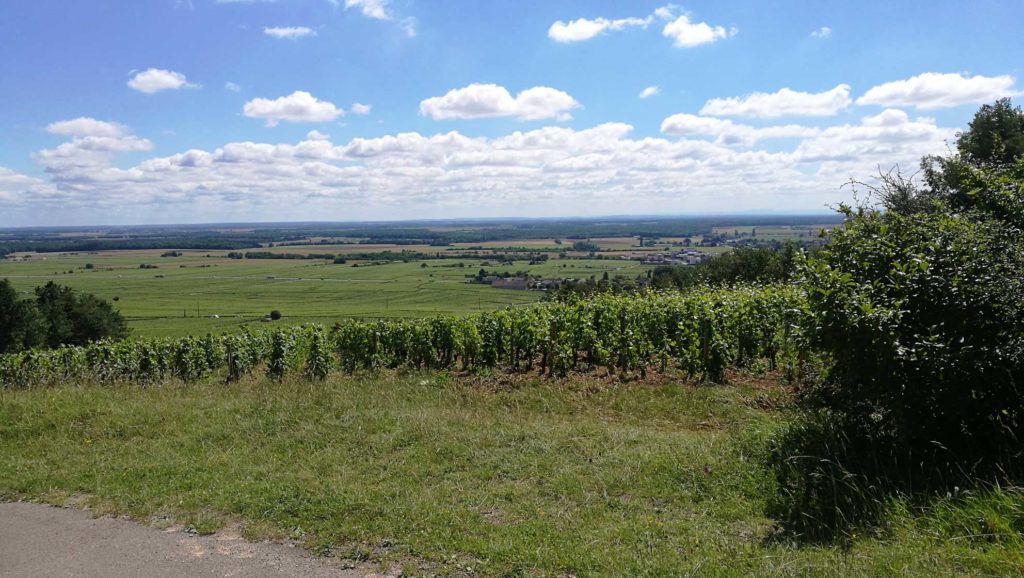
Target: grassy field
{"points": [[183, 294], [779, 233], [458, 475]]}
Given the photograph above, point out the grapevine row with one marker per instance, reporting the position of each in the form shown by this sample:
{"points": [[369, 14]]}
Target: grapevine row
{"points": [[700, 333]]}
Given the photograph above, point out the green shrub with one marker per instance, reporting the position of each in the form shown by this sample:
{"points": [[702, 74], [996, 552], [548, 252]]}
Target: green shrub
{"points": [[922, 319]]}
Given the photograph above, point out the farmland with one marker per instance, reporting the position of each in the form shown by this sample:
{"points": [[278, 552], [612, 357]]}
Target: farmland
{"points": [[776, 232], [390, 270], [183, 294], [453, 428]]}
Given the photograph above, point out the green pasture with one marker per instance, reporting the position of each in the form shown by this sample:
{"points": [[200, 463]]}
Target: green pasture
{"points": [[779, 233], [470, 476], [183, 294]]}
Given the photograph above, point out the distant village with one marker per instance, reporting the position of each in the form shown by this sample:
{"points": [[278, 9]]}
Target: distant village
{"points": [[518, 282], [684, 257]]}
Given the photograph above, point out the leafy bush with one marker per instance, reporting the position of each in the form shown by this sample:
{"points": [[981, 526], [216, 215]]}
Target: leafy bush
{"points": [[19, 321], [742, 265], [922, 319], [57, 316], [319, 361], [76, 318]]}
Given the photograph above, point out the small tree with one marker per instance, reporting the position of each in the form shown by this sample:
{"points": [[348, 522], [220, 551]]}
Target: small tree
{"points": [[275, 315], [994, 136], [77, 319], [20, 325]]}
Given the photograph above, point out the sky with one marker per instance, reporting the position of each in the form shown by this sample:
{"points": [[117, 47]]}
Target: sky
{"points": [[192, 111]]}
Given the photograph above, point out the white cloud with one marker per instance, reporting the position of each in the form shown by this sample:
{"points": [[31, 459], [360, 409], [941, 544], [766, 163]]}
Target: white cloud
{"points": [[289, 32], [299, 106], [491, 100], [382, 10], [550, 170], [933, 90], [726, 132], [678, 27], [823, 32], [156, 79], [360, 109], [649, 91], [890, 136], [785, 102], [232, 87], [409, 26], [84, 126], [687, 34], [16, 188], [89, 152], [377, 9], [585, 29]]}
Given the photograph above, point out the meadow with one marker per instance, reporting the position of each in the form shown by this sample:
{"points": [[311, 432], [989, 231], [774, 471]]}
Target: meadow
{"points": [[183, 294], [468, 475], [774, 232]]}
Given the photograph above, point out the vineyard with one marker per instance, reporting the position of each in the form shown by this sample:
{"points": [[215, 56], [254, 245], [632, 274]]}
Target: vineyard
{"points": [[700, 334]]}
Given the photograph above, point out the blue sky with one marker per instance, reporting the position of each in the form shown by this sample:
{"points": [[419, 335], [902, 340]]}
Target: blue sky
{"points": [[165, 111]]}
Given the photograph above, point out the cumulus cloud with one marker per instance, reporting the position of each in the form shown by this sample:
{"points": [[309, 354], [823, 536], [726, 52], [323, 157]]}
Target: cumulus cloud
{"points": [[785, 102], [683, 32], [17, 189], [289, 32], [585, 28], [154, 80], [890, 136], [84, 126], [377, 9], [491, 100], [649, 91], [687, 34], [409, 26], [89, 153], [823, 32], [933, 90], [702, 164], [729, 133], [360, 109], [299, 106], [232, 87]]}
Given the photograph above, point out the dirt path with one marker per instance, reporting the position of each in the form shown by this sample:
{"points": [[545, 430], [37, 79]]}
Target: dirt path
{"points": [[38, 540]]}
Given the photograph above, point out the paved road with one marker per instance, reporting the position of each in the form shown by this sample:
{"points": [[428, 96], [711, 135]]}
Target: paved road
{"points": [[38, 540]]}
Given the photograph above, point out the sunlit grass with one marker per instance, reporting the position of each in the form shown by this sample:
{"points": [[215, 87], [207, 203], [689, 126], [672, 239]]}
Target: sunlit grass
{"points": [[505, 476]]}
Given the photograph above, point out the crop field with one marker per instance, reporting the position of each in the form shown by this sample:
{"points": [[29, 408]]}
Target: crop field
{"points": [[778, 232], [534, 244], [183, 294], [342, 249]]}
